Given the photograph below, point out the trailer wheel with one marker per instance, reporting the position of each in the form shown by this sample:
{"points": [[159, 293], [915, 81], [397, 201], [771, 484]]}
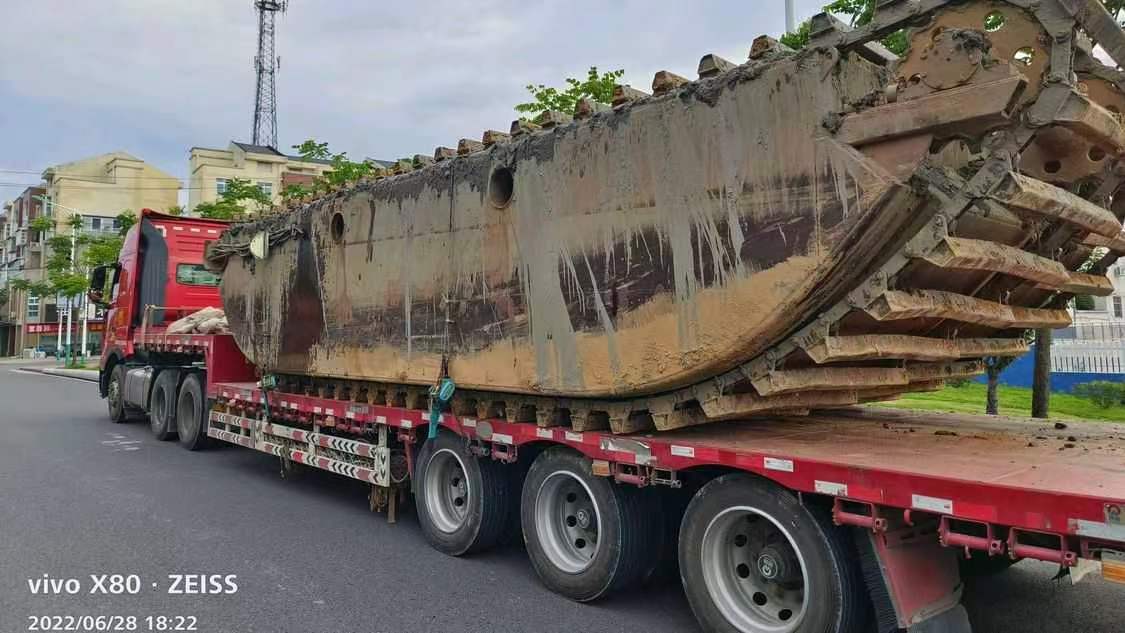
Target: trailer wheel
{"points": [[191, 414], [115, 395], [586, 536], [753, 559], [162, 409], [463, 501]]}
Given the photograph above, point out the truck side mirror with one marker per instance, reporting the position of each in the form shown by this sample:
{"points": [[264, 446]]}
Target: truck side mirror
{"points": [[96, 291]]}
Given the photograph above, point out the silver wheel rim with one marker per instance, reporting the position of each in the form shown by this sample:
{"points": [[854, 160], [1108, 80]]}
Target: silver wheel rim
{"points": [[568, 522], [447, 491], [754, 571]]}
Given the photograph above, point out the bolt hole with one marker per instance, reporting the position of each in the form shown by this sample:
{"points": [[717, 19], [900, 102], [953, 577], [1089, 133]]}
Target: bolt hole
{"points": [[740, 540], [1024, 56], [571, 521], [459, 501], [759, 598], [456, 481], [1096, 154], [580, 543], [571, 497], [337, 227], [500, 187], [1052, 166], [915, 79], [743, 570], [784, 615], [994, 21]]}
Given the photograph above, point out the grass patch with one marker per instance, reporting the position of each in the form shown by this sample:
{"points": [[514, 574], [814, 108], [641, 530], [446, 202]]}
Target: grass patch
{"points": [[1014, 401]]}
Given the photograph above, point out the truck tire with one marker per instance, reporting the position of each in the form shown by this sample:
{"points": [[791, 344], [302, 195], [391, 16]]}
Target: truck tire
{"points": [[586, 536], [191, 414], [463, 501], [162, 404], [115, 395], [754, 559]]}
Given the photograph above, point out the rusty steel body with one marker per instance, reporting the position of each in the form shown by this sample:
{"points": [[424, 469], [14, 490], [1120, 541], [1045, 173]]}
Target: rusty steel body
{"points": [[807, 229]]}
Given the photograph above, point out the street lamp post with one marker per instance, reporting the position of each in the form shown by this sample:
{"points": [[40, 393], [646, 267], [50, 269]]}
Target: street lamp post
{"points": [[73, 267]]}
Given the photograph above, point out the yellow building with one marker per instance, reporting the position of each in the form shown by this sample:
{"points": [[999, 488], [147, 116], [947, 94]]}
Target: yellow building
{"points": [[103, 186], [209, 170]]}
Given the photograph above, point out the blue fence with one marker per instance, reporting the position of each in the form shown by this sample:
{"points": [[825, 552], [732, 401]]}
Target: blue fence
{"points": [[1020, 372]]}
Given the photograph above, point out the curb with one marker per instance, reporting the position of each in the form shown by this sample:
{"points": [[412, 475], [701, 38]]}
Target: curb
{"points": [[64, 373]]}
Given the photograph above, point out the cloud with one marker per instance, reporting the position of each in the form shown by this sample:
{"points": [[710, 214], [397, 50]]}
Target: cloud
{"points": [[373, 79]]}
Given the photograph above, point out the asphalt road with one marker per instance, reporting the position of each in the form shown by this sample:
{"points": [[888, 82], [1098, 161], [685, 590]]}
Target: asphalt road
{"points": [[82, 496]]}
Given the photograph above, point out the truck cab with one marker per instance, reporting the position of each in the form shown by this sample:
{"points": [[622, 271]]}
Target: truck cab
{"points": [[159, 277]]}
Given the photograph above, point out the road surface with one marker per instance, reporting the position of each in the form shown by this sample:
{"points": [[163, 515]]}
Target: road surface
{"points": [[80, 496]]}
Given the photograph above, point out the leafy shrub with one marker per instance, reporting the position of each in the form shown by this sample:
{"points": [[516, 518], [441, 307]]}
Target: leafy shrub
{"points": [[1103, 393]]}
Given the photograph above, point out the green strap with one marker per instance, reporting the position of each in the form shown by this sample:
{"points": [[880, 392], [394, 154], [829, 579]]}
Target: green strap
{"points": [[440, 395]]}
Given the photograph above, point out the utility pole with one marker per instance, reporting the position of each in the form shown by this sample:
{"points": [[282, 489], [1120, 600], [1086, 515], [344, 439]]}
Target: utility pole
{"points": [[790, 17], [266, 64]]}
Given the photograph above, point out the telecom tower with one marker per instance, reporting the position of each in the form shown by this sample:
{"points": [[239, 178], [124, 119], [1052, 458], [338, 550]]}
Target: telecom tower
{"points": [[266, 65]]}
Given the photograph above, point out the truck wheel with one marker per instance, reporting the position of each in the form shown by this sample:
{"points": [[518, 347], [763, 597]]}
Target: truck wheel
{"points": [[115, 395], [753, 559], [463, 501], [191, 414], [586, 536], [162, 409]]}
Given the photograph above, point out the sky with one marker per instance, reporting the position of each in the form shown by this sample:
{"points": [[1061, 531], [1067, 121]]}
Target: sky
{"points": [[373, 79]]}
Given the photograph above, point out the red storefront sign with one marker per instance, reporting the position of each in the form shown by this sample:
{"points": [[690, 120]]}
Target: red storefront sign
{"points": [[54, 328]]}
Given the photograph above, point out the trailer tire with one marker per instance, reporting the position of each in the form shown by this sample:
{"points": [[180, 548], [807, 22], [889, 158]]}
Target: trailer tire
{"points": [[115, 395], [754, 559], [463, 500], [162, 404], [586, 536], [191, 414]]}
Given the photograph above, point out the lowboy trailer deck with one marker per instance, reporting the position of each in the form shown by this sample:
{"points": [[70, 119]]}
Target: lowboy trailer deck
{"points": [[912, 493]]}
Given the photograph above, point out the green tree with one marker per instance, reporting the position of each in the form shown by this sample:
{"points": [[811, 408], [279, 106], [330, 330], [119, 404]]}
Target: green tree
{"points": [[343, 171], [125, 221], [175, 210], [597, 86], [240, 195]]}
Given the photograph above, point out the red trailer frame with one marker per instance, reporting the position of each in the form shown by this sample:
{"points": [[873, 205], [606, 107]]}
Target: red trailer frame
{"points": [[919, 483]]}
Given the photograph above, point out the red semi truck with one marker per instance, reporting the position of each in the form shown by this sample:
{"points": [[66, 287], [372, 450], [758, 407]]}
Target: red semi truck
{"points": [[781, 524]]}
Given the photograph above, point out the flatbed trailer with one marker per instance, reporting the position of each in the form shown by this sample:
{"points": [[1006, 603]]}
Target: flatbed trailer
{"points": [[915, 491]]}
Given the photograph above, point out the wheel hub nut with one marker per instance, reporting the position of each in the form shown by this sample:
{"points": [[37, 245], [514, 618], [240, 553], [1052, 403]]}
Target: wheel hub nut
{"points": [[583, 519]]}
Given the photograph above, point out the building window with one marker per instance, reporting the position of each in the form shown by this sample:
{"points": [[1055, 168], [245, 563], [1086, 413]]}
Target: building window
{"points": [[32, 307], [1117, 307], [266, 187], [221, 185]]}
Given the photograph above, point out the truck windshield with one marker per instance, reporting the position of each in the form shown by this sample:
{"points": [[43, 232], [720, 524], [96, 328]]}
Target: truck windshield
{"points": [[195, 275]]}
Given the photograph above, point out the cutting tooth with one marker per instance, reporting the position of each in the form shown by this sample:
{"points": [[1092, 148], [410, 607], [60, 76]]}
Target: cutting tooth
{"points": [[587, 107], [665, 81], [1097, 124], [896, 305], [902, 346], [969, 254], [552, 118], [623, 94], [421, 160], [1047, 200], [1084, 284], [880, 394], [402, 166], [468, 146], [925, 372], [828, 378], [523, 126], [492, 137], [711, 65], [764, 45], [734, 406], [442, 153]]}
